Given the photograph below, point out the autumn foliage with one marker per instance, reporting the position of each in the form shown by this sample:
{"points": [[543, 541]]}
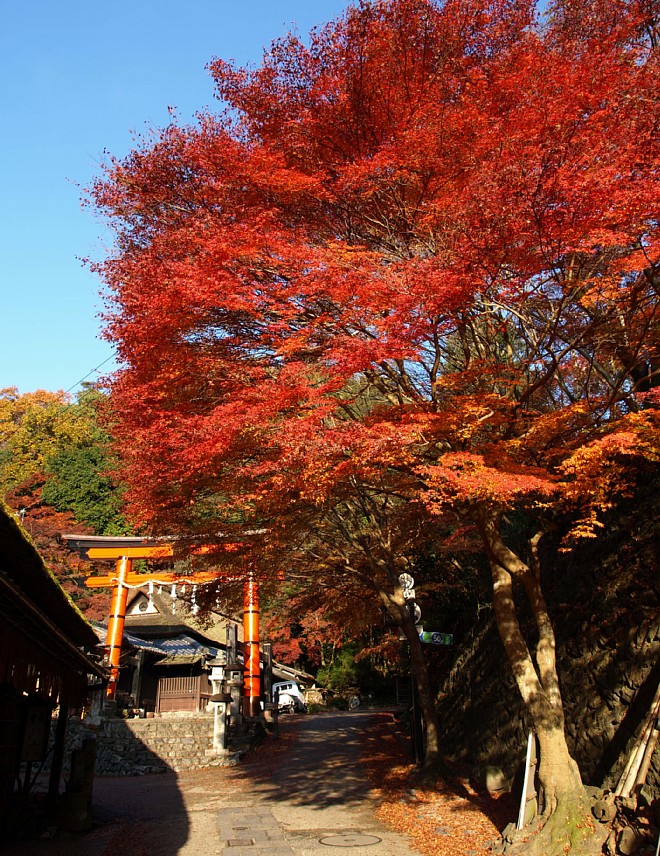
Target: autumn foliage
{"points": [[411, 271], [428, 239], [54, 475]]}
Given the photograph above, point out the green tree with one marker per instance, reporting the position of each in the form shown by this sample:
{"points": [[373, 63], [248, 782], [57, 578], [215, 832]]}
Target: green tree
{"points": [[343, 672], [76, 481], [62, 447], [34, 427]]}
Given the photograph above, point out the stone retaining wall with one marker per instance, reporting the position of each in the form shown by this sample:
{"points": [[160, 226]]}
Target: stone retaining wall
{"points": [[605, 606], [130, 747]]}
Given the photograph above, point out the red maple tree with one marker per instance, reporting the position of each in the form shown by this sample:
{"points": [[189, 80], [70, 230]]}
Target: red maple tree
{"points": [[44, 525], [411, 274]]}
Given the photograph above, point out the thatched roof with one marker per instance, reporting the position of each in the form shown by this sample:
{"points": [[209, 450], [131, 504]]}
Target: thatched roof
{"points": [[162, 620], [44, 638]]}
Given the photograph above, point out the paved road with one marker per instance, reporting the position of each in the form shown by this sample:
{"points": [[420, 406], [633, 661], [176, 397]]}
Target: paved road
{"points": [[316, 794], [280, 804]]}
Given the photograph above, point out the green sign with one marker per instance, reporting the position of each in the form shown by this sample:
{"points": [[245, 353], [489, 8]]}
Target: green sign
{"points": [[435, 638]]}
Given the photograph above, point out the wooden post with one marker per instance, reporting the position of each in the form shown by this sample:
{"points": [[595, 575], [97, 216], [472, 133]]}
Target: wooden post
{"points": [[268, 672], [270, 704], [648, 755], [116, 624], [252, 676], [136, 686], [234, 672], [630, 775]]}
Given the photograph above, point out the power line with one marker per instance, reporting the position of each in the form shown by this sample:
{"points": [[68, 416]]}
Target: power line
{"points": [[100, 365]]}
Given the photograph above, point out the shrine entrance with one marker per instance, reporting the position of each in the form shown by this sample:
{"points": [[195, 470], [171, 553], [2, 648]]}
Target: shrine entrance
{"points": [[124, 551]]}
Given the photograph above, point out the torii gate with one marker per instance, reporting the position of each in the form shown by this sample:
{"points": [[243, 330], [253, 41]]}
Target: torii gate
{"points": [[124, 550]]}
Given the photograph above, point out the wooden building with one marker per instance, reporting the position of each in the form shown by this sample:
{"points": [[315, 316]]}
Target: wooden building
{"points": [[166, 674], [164, 665], [168, 655], [48, 656]]}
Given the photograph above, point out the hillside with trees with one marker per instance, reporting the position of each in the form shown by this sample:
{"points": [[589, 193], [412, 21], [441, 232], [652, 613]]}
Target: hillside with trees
{"points": [[56, 474]]}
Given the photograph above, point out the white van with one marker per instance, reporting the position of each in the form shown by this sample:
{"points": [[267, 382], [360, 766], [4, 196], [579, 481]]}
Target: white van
{"points": [[289, 697]]}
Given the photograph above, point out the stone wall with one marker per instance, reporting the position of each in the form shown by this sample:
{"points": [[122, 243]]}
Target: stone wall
{"points": [[129, 747], [604, 600]]}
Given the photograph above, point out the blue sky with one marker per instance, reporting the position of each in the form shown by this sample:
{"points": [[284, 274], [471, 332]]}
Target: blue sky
{"points": [[77, 78]]}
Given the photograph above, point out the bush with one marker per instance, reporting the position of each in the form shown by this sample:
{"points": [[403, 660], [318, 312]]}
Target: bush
{"points": [[342, 673]]}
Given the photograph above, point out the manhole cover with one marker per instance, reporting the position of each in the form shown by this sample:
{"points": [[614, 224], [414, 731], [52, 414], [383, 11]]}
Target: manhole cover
{"points": [[350, 839]]}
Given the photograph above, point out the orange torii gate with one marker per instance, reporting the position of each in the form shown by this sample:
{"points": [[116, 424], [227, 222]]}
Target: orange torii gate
{"points": [[124, 550]]}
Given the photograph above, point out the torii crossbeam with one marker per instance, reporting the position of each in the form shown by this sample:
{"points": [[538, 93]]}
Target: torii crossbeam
{"points": [[123, 551]]}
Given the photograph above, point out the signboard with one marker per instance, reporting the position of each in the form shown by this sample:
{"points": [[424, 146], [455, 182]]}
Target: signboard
{"points": [[217, 673], [434, 638]]}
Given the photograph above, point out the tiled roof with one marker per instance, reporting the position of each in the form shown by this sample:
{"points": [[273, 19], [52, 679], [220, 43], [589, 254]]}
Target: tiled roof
{"points": [[177, 645], [163, 619]]}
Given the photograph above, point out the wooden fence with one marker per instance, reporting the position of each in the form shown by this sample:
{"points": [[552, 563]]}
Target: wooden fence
{"points": [[183, 693]]}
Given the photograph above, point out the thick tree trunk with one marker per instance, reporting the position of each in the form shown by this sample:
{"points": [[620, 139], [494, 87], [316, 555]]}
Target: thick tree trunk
{"points": [[536, 676]]}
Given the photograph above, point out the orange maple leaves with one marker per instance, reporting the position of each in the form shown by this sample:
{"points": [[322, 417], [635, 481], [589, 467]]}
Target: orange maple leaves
{"points": [[420, 256]]}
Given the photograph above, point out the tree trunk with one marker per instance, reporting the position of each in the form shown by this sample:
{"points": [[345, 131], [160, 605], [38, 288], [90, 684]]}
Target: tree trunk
{"points": [[535, 676], [427, 702], [398, 609]]}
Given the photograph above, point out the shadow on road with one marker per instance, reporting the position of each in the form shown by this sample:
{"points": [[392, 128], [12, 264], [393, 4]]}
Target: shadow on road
{"points": [[140, 816], [320, 769]]}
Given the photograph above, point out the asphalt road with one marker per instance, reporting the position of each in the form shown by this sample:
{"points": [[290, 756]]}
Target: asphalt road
{"points": [[317, 791], [308, 798]]}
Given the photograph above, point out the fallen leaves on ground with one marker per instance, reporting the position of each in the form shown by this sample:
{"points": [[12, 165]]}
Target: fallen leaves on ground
{"points": [[442, 818], [274, 746]]}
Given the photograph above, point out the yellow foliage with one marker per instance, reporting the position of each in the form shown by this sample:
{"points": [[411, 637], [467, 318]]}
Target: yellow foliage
{"points": [[597, 473], [33, 427]]}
